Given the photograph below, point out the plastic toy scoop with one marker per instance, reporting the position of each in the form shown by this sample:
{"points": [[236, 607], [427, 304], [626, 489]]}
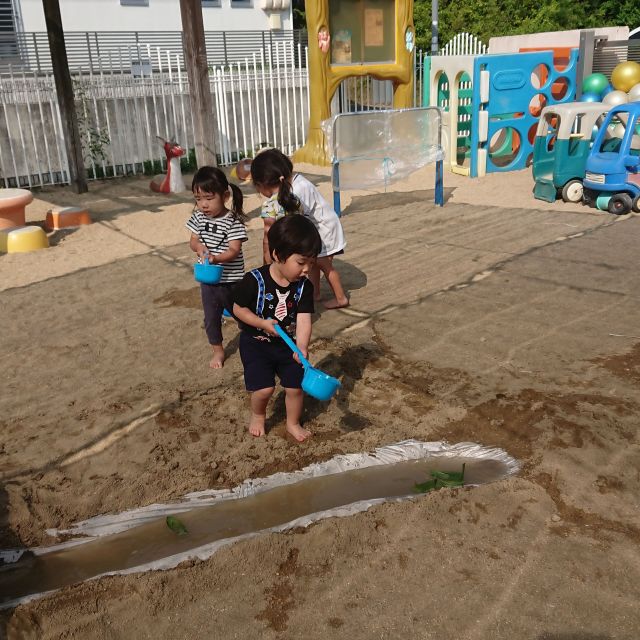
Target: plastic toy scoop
{"points": [[206, 272], [315, 382]]}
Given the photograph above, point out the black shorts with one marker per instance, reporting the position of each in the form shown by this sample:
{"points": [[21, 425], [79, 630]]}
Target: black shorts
{"points": [[262, 360]]}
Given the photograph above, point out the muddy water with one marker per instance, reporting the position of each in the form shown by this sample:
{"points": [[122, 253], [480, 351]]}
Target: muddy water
{"points": [[275, 507]]}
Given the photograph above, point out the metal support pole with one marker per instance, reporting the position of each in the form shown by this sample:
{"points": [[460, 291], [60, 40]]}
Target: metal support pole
{"points": [[585, 59], [434, 27], [336, 187]]}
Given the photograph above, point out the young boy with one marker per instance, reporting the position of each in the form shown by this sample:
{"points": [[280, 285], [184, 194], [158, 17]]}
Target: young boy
{"points": [[278, 293]]}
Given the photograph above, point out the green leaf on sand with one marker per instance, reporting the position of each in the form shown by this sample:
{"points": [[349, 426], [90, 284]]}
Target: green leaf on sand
{"points": [[176, 526]]}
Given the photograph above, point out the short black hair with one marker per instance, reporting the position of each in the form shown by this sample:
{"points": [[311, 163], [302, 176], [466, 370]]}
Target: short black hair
{"points": [[294, 234]]}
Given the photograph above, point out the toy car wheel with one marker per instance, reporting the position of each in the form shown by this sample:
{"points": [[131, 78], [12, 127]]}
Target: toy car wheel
{"points": [[620, 204], [636, 204], [589, 197], [572, 191]]}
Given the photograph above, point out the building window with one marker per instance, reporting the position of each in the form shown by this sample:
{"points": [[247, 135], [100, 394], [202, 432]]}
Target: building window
{"points": [[241, 3], [134, 3], [211, 3]]}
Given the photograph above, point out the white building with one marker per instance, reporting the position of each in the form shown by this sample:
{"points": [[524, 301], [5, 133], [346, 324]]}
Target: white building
{"points": [[149, 15]]}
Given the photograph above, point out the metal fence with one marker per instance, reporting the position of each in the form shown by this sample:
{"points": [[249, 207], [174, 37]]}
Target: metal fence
{"points": [[29, 51], [140, 93]]}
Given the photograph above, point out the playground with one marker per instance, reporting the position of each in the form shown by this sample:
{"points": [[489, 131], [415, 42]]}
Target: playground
{"points": [[495, 319]]}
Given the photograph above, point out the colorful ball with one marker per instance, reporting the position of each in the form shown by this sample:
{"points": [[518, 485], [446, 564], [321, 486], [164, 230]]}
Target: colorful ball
{"points": [[595, 83], [607, 90], [590, 97], [634, 93], [615, 98], [625, 75]]}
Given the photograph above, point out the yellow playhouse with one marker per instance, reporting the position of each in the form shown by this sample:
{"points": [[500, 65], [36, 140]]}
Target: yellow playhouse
{"points": [[350, 38]]}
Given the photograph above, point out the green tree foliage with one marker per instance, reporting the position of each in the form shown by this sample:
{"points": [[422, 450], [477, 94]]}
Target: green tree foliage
{"points": [[488, 18], [299, 18]]}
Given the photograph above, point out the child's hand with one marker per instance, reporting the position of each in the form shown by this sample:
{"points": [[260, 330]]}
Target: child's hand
{"points": [[268, 326], [296, 357]]}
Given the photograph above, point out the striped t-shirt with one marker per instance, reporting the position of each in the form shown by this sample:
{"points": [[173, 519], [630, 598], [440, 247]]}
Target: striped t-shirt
{"points": [[215, 234]]}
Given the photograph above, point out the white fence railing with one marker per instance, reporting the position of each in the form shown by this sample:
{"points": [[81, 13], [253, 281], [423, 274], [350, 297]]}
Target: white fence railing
{"points": [[142, 93], [464, 44]]}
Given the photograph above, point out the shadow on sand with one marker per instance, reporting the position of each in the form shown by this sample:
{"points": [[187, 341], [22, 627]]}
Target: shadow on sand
{"points": [[377, 201]]}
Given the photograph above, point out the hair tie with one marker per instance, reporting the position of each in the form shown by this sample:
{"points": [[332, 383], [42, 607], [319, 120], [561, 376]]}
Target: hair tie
{"points": [[281, 178]]}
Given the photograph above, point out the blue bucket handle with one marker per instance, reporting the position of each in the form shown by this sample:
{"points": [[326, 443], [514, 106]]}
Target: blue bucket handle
{"points": [[292, 345]]}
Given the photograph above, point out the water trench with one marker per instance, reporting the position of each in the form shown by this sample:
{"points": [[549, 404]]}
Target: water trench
{"points": [[36, 574]]}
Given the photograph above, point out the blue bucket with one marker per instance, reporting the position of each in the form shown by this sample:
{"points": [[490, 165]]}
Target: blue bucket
{"points": [[316, 383], [319, 384], [207, 273]]}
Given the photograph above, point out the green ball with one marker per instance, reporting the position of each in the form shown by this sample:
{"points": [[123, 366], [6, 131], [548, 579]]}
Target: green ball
{"points": [[595, 83]]}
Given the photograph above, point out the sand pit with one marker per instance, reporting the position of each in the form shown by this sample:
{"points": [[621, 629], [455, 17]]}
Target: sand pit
{"points": [[497, 319]]}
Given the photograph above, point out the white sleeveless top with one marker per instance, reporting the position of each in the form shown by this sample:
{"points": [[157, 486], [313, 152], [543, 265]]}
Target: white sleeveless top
{"points": [[321, 213]]}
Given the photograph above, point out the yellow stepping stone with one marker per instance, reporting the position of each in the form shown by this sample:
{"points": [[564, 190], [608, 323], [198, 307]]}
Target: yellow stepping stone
{"points": [[23, 239]]}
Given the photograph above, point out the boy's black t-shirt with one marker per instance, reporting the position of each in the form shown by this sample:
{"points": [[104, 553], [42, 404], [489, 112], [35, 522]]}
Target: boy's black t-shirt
{"points": [[280, 303]]}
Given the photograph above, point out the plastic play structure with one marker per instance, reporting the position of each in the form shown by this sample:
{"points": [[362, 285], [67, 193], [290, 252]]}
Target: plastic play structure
{"points": [[612, 177], [15, 235], [372, 149], [583, 154], [492, 104], [354, 38], [562, 144], [172, 181]]}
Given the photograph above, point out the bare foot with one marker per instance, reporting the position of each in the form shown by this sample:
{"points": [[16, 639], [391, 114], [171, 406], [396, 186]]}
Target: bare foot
{"points": [[256, 425], [217, 362], [298, 432], [334, 303]]}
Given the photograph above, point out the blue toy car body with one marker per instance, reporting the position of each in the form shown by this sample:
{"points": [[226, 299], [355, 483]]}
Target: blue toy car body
{"points": [[613, 167]]}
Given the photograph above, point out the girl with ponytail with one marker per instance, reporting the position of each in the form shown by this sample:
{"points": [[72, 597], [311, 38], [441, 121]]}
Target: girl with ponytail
{"points": [[290, 193]]}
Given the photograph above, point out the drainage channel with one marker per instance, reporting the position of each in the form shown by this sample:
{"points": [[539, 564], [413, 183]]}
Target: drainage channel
{"points": [[268, 510]]}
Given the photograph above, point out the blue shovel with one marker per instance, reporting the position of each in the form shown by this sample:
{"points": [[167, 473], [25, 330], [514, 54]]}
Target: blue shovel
{"points": [[315, 382]]}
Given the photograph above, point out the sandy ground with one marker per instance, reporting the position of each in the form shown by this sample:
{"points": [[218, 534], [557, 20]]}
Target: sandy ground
{"points": [[497, 319]]}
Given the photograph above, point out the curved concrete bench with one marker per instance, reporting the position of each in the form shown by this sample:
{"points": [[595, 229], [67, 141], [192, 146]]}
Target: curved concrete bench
{"points": [[12, 205]]}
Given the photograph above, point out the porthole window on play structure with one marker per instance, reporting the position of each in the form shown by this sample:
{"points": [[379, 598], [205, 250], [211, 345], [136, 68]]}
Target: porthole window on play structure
{"points": [[537, 104], [560, 88], [539, 76], [504, 146]]}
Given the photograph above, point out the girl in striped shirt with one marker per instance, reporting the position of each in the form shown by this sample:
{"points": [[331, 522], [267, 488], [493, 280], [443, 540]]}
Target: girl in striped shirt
{"points": [[217, 234]]}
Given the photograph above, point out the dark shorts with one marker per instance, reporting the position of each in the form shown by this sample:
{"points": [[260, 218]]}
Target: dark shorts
{"points": [[263, 360]]}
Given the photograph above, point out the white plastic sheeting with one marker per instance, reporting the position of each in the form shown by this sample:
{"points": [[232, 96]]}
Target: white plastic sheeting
{"points": [[109, 524], [406, 450], [373, 149]]}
